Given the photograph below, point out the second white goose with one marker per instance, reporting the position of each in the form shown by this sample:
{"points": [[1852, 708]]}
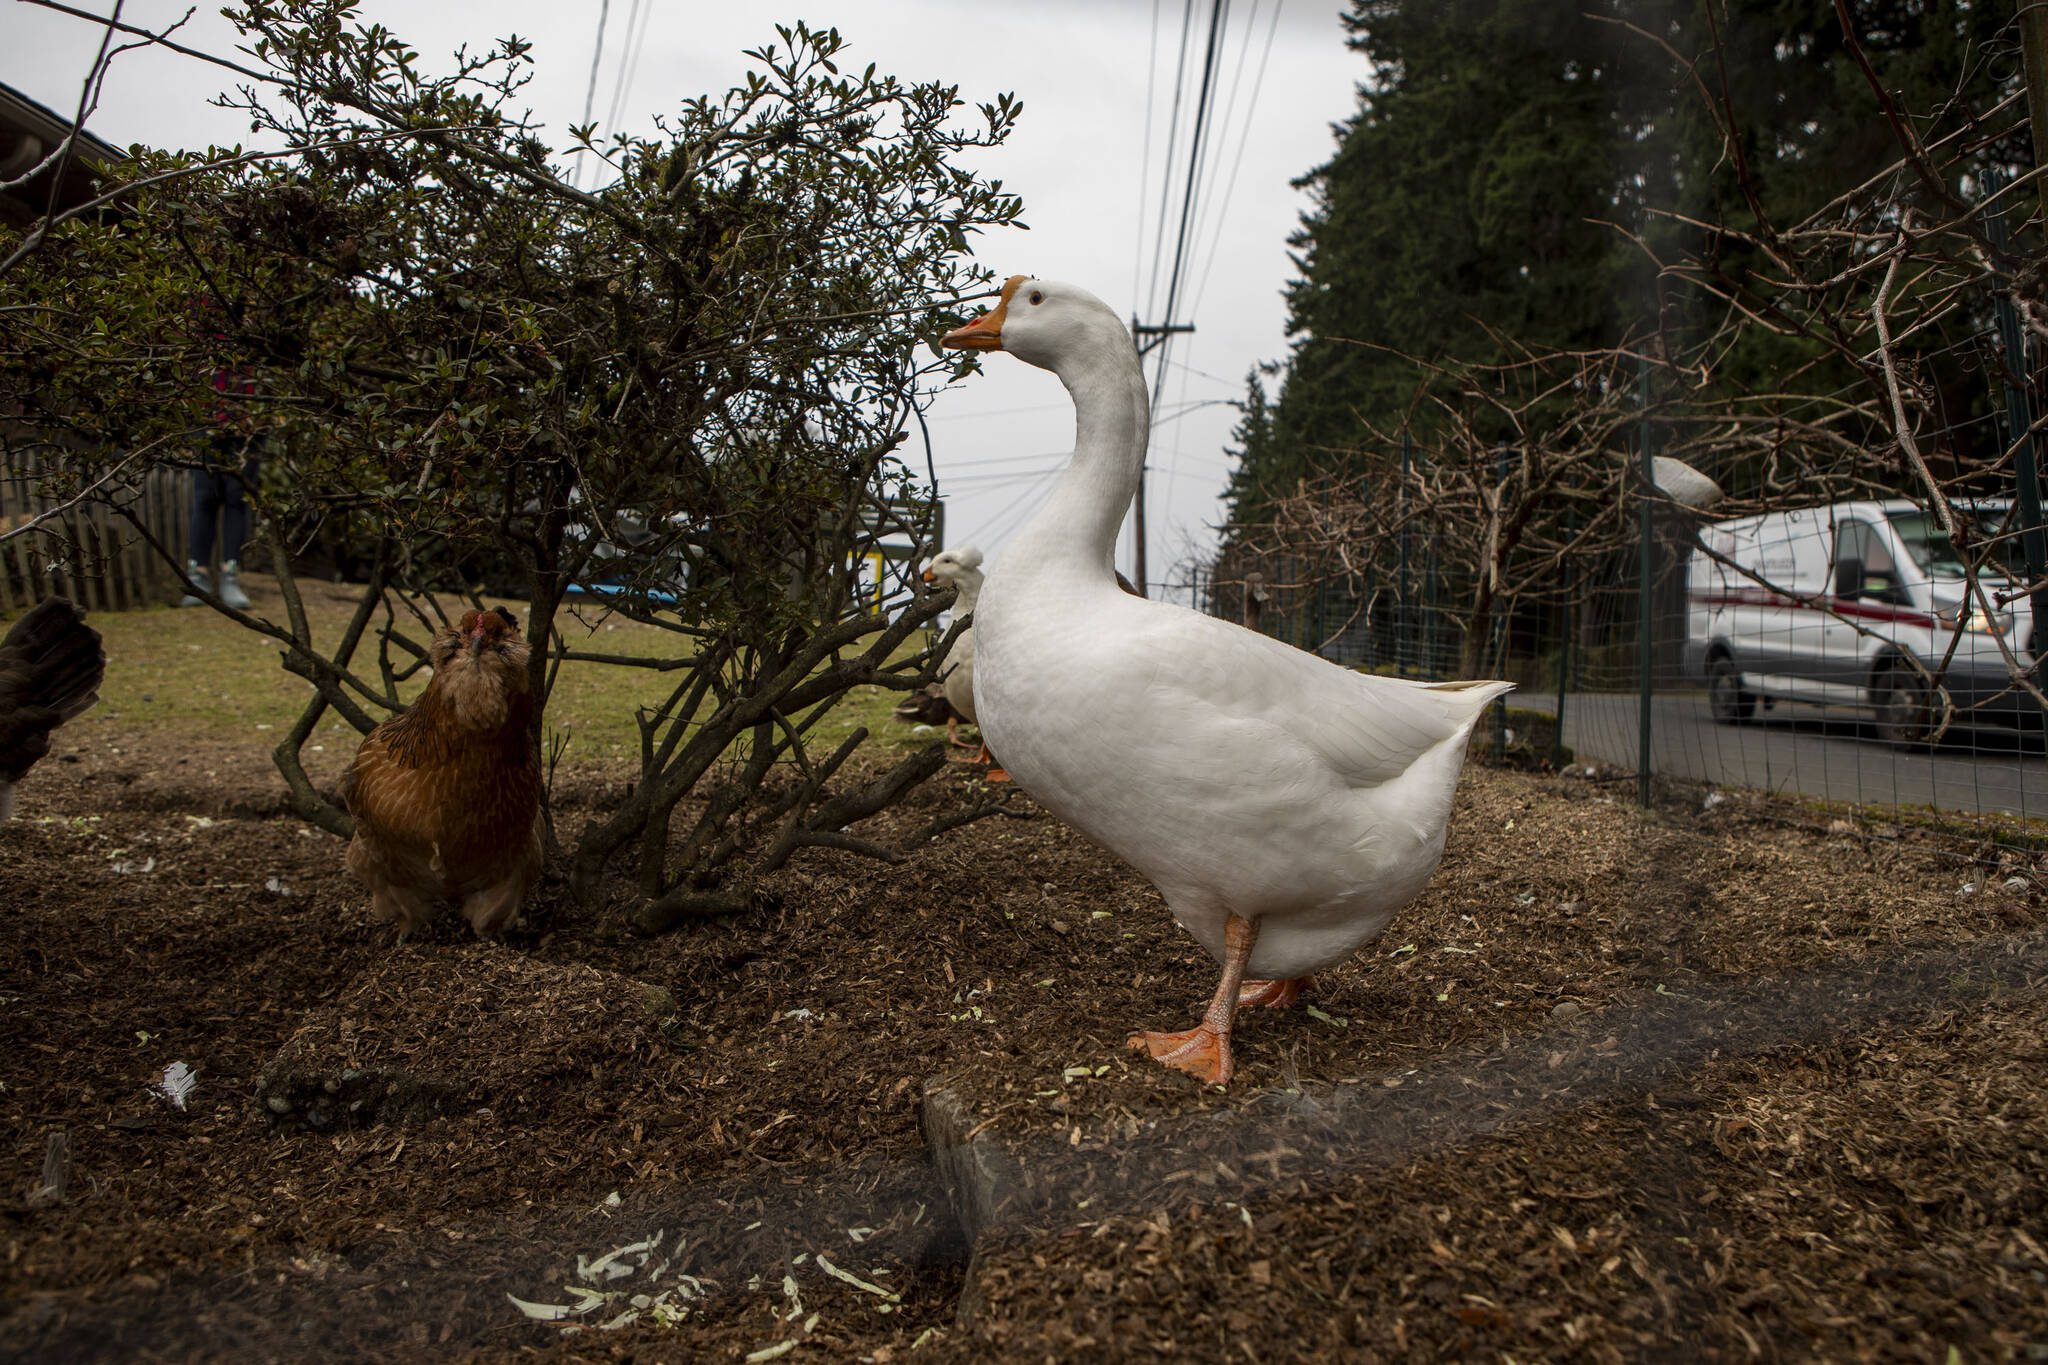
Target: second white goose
{"points": [[961, 570]]}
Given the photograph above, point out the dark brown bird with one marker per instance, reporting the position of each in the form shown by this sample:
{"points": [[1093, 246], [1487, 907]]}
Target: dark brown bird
{"points": [[927, 706], [446, 796], [50, 671]]}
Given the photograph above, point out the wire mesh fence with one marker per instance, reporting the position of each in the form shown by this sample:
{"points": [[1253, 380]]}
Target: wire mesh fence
{"points": [[1825, 636]]}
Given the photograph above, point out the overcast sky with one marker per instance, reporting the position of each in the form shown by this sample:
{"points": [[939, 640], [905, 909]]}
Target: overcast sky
{"points": [[1079, 159]]}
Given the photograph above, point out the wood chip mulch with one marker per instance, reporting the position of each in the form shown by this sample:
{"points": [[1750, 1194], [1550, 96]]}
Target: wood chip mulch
{"points": [[1698, 1084]]}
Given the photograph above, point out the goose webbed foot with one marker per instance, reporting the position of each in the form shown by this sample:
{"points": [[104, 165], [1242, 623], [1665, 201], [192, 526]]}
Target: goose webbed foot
{"points": [[1204, 1050], [1201, 1051], [995, 771]]}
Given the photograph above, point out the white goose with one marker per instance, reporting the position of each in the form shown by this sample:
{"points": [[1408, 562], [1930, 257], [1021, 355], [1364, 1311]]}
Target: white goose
{"points": [[961, 570], [1285, 807]]}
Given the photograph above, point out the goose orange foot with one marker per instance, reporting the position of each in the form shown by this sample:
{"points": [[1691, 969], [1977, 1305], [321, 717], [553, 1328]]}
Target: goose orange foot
{"points": [[1201, 1051], [995, 771], [1275, 995]]}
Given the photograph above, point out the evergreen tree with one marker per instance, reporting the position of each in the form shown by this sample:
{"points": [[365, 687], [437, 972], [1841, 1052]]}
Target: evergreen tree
{"points": [[1455, 205], [1476, 202]]}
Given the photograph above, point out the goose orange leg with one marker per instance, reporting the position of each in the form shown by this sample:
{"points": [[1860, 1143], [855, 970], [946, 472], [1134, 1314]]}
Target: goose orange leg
{"points": [[1204, 1050], [1275, 995], [953, 733], [995, 771]]}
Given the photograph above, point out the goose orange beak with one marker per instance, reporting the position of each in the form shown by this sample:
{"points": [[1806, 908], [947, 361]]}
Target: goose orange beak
{"points": [[985, 333], [930, 577]]}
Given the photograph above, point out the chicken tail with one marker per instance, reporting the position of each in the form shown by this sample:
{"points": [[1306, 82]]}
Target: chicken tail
{"points": [[51, 665]]}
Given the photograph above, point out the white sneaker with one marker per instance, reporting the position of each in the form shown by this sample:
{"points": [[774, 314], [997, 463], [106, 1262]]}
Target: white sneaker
{"points": [[230, 589], [194, 573]]}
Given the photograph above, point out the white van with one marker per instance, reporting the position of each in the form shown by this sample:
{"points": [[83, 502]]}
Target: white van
{"points": [[1835, 605]]}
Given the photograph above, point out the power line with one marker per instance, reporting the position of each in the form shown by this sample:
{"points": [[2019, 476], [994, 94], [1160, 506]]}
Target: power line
{"points": [[1187, 26], [983, 483], [1183, 408], [1015, 513], [1065, 403], [1233, 383], [639, 51], [1145, 161], [1208, 221], [1214, 225], [987, 462], [627, 54], [1218, 11], [604, 12], [1204, 101], [1244, 48], [1243, 138]]}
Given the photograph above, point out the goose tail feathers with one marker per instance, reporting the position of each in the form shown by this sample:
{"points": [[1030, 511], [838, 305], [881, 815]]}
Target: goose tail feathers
{"points": [[1471, 696]]}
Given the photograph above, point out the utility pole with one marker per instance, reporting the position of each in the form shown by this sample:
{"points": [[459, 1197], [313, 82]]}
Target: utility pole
{"points": [[1147, 337]]}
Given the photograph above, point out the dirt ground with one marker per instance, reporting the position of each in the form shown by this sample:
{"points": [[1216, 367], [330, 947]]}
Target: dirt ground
{"points": [[1699, 1083]]}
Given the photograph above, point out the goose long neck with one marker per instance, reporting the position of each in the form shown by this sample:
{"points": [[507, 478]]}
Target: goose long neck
{"points": [[1078, 525]]}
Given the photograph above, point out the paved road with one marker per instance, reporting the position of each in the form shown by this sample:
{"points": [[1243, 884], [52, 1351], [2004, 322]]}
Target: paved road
{"points": [[1808, 751]]}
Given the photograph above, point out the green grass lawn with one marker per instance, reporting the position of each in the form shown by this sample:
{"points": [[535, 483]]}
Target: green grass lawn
{"points": [[194, 672]]}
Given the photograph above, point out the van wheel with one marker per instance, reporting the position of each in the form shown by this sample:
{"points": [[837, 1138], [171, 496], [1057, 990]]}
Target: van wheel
{"points": [[1725, 697], [1903, 703]]}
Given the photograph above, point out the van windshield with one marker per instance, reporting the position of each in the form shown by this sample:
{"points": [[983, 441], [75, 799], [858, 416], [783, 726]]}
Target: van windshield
{"points": [[1936, 554]]}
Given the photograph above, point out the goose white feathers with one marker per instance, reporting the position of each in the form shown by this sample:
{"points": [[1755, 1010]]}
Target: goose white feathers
{"points": [[960, 570], [1286, 808]]}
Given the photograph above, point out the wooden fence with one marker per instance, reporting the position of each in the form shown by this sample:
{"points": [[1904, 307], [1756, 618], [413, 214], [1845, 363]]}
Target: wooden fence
{"points": [[87, 553]]}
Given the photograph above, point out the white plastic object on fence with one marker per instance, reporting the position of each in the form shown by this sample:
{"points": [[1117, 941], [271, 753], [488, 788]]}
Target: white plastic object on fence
{"points": [[1683, 484]]}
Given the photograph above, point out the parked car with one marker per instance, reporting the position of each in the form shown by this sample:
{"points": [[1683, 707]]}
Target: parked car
{"points": [[618, 565], [1861, 604]]}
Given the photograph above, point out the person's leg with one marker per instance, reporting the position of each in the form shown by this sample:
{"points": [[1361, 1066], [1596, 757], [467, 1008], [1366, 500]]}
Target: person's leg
{"points": [[234, 529], [207, 493]]}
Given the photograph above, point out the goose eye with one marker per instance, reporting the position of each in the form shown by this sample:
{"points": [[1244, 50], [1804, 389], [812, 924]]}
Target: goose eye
{"points": [[1037, 297]]}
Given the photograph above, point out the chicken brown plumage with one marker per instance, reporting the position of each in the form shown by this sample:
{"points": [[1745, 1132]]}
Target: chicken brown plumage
{"points": [[50, 671], [446, 796]]}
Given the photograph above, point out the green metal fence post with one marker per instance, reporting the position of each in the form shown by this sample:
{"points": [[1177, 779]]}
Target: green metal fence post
{"points": [[1432, 603], [2019, 422], [1646, 619], [1564, 668], [1402, 660], [1499, 643]]}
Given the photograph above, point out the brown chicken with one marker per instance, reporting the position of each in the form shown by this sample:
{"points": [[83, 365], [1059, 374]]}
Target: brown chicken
{"points": [[50, 671], [446, 796]]}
